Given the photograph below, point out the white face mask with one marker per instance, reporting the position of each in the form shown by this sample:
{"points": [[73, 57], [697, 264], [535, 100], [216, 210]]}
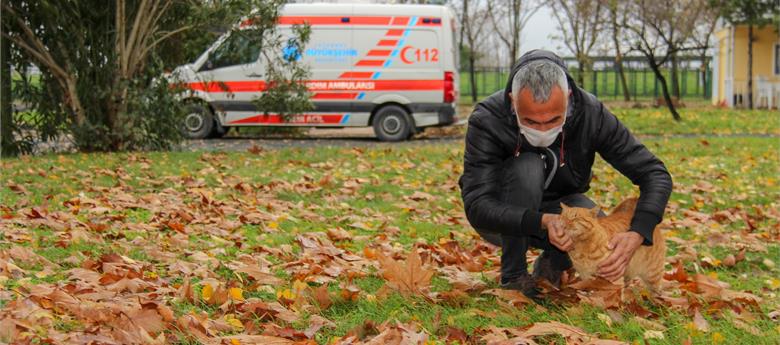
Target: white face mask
{"points": [[541, 138]]}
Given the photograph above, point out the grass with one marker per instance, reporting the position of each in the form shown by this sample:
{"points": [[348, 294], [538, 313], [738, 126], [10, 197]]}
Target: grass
{"points": [[705, 120], [743, 173]]}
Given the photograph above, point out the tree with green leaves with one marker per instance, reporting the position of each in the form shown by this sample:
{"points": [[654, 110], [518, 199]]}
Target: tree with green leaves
{"points": [[753, 13], [101, 64]]}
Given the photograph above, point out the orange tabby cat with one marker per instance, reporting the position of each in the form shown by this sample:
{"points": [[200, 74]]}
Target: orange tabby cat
{"points": [[591, 236]]}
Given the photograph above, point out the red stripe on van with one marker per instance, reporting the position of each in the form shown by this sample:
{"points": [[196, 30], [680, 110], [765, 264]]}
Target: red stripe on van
{"points": [[373, 63], [395, 32], [337, 20], [356, 75], [379, 52], [230, 86], [350, 95], [312, 20], [387, 43], [369, 20], [294, 119], [400, 21], [326, 85]]}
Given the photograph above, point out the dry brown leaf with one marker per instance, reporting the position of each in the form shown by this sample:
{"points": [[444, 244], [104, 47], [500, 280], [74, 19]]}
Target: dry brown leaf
{"points": [[573, 335], [339, 234], [260, 276], [322, 297], [317, 322], [700, 322], [409, 277], [514, 297]]}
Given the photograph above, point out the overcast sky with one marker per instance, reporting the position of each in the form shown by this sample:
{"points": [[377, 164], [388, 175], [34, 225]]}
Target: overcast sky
{"points": [[536, 33]]}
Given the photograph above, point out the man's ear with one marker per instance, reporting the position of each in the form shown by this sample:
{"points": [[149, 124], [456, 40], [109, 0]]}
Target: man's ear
{"points": [[595, 211]]}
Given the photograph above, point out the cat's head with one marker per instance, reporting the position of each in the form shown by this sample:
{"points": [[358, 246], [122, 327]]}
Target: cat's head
{"points": [[578, 221]]}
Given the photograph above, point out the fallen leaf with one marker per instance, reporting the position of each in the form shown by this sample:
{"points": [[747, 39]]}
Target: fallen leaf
{"points": [[700, 322], [651, 334], [236, 294], [409, 277]]}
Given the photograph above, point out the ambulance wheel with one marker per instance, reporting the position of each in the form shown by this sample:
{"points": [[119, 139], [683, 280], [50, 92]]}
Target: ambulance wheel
{"points": [[218, 131], [198, 121], [392, 123]]}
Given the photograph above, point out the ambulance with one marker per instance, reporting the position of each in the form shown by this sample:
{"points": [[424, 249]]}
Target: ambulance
{"points": [[392, 67]]}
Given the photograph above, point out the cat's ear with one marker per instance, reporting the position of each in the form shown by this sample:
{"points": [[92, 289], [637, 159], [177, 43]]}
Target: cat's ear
{"points": [[595, 211], [564, 207]]}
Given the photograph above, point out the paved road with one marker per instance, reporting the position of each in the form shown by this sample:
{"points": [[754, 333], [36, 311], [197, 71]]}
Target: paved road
{"points": [[364, 137], [347, 137]]}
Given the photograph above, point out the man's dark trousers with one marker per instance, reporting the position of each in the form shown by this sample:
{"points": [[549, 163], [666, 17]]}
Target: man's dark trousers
{"points": [[523, 185]]}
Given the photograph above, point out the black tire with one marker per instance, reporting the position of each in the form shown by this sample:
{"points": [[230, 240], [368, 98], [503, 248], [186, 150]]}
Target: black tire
{"points": [[393, 123], [198, 121], [218, 131]]}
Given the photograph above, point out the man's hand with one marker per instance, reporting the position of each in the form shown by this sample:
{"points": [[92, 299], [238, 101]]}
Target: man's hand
{"points": [[558, 238], [623, 246]]}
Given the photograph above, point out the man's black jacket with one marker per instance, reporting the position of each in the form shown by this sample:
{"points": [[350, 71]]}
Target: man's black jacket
{"points": [[493, 137]]}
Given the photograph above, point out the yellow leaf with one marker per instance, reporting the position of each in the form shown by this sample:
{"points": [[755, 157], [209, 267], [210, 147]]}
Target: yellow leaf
{"points": [[717, 338], [233, 322], [207, 292], [285, 294], [237, 294], [273, 225], [713, 275], [774, 283], [235, 341], [299, 286]]}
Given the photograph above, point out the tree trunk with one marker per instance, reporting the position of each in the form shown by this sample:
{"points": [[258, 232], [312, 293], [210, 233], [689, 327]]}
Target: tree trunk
{"points": [[674, 79], [657, 71], [750, 67], [621, 74], [618, 53], [704, 67], [581, 75], [8, 147], [472, 77]]}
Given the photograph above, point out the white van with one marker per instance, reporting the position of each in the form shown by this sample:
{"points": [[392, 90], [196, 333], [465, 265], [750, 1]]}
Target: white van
{"points": [[393, 67]]}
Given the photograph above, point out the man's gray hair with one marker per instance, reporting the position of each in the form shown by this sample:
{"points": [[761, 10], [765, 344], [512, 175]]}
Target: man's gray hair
{"points": [[539, 77]]}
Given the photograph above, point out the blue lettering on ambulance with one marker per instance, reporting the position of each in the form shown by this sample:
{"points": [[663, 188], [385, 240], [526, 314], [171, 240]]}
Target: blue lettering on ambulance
{"points": [[330, 52]]}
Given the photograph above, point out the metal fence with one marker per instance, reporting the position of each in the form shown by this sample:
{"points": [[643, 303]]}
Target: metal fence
{"points": [[694, 81]]}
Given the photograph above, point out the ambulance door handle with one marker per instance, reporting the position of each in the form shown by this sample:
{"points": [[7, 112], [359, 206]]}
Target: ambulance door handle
{"points": [[254, 75]]}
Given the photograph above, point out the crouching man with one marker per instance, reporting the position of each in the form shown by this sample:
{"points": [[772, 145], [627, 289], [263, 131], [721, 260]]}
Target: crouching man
{"points": [[530, 148]]}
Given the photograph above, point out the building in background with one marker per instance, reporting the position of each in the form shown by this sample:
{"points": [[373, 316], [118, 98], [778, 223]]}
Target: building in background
{"points": [[731, 64]]}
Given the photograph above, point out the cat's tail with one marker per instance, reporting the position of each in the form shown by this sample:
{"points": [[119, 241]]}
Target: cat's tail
{"points": [[627, 206]]}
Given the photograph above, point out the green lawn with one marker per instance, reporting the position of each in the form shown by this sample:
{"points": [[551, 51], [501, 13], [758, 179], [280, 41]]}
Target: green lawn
{"points": [[195, 217], [701, 120]]}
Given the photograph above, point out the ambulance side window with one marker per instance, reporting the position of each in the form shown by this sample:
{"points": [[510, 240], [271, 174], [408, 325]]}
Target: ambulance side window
{"points": [[238, 49]]}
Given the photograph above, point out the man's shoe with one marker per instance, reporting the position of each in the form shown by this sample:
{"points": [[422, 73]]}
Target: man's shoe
{"points": [[525, 284], [551, 266]]}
